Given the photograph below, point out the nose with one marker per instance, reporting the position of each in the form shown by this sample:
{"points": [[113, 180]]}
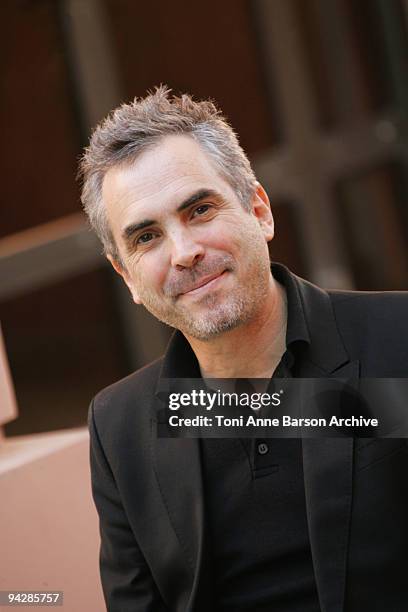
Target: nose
{"points": [[186, 252]]}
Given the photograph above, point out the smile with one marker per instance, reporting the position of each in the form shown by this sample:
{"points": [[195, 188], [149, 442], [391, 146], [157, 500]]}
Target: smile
{"points": [[205, 285]]}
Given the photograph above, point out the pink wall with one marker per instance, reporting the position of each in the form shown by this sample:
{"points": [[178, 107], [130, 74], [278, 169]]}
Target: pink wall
{"points": [[48, 525]]}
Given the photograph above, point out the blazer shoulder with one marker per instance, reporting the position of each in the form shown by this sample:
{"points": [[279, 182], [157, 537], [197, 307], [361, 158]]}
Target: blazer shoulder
{"points": [[388, 307], [139, 385], [374, 329]]}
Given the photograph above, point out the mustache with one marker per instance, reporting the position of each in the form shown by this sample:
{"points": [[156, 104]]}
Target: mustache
{"points": [[181, 281]]}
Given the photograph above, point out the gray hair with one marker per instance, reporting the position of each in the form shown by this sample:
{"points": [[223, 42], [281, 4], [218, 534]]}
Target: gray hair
{"points": [[139, 125]]}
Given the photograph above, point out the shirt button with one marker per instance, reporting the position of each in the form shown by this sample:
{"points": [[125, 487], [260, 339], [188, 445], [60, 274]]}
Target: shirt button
{"points": [[263, 448]]}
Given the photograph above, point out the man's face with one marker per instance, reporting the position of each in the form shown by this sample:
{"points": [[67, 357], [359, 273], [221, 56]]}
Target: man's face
{"points": [[191, 253]]}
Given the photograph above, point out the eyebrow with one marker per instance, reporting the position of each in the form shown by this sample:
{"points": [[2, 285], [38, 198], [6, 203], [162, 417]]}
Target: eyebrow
{"points": [[197, 196]]}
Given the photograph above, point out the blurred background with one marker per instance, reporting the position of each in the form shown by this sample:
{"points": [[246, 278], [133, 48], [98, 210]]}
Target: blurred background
{"points": [[318, 93]]}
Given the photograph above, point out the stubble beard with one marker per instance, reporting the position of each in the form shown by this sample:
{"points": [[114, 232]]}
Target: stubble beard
{"points": [[218, 311]]}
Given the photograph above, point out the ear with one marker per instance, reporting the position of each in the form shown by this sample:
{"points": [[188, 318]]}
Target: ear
{"points": [[118, 267], [261, 208]]}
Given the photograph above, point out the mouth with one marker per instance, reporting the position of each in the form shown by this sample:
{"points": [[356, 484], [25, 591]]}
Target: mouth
{"points": [[204, 284]]}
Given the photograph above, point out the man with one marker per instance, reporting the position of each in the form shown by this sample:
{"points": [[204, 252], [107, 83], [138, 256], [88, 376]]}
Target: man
{"points": [[203, 525]]}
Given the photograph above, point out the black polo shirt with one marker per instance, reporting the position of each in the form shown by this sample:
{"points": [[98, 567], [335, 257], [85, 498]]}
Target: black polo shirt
{"points": [[255, 507]]}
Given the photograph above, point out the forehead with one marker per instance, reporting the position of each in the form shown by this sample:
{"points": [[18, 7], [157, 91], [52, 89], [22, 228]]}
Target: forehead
{"points": [[159, 179]]}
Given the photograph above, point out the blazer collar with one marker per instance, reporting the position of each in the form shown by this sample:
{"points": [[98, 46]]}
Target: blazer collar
{"points": [[325, 352]]}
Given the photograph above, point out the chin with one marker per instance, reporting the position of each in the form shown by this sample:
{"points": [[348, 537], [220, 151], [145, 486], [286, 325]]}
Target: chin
{"points": [[209, 332], [213, 324]]}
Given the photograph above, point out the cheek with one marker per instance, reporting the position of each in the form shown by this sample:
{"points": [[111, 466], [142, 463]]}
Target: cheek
{"points": [[224, 237], [150, 274]]}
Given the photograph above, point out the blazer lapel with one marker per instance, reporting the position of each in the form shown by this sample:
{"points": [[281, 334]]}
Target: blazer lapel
{"points": [[178, 472], [177, 464], [327, 462], [328, 477], [327, 465]]}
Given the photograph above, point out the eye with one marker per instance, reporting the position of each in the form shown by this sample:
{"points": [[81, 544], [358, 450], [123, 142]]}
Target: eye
{"points": [[145, 237], [201, 210]]}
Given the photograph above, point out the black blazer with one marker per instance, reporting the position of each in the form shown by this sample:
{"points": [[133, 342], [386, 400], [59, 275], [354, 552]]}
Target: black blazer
{"points": [[148, 490]]}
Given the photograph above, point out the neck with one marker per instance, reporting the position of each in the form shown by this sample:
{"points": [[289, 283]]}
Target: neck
{"points": [[252, 350]]}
